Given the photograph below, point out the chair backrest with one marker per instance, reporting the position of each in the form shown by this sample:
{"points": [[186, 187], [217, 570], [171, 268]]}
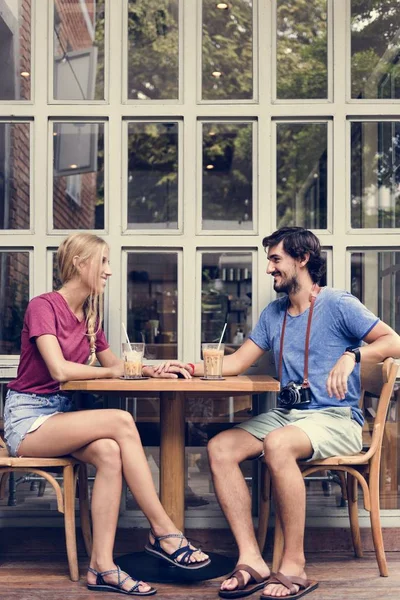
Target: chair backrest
{"points": [[378, 379]]}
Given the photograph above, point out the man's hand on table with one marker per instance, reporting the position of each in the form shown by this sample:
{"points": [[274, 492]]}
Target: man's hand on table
{"points": [[171, 369]]}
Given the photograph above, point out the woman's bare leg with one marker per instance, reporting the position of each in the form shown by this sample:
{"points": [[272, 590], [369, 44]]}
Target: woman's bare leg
{"points": [[68, 432], [105, 455]]}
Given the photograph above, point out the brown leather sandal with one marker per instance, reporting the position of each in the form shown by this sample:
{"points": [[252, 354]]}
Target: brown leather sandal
{"points": [[306, 586], [255, 583]]}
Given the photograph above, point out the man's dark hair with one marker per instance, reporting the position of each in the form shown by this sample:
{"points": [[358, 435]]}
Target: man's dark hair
{"points": [[297, 242]]}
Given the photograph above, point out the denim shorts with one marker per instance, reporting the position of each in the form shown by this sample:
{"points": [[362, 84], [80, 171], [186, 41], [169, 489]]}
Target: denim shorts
{"points": [[24, 413]]}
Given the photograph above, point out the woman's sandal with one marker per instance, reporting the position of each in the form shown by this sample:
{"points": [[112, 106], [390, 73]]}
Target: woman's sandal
{"points": [[181, 557], [104, 586]]}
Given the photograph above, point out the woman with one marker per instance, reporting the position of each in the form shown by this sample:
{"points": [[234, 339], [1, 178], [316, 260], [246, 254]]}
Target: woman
{"points": [[61, 330]]}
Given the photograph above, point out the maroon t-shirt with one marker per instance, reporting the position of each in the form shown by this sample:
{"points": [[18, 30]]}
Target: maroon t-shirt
{"points": [[50, 314]]}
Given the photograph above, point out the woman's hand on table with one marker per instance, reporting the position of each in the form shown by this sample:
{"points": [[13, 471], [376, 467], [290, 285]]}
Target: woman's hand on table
{"points": [[171, 369]]}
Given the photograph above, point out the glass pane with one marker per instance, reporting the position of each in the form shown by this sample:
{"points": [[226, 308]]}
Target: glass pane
{"points": [[153, 175], [78, 68], [14, 175], [375, 174], [226, 296], [152, 303], [375, 280], [227, 176], [301, 50], [301, 181], [227, 56], [15, 49], [56, 281], [153, 49], [14, 297], [78, 176], [205, 417], [375, 49]]}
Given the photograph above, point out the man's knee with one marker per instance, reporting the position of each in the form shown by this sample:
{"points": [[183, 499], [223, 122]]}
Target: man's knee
{"points": [[278, 448], [232, 447], [218, 449]]}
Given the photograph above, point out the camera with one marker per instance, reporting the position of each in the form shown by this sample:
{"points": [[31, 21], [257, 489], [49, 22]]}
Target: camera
{"points": [[294, 394]]}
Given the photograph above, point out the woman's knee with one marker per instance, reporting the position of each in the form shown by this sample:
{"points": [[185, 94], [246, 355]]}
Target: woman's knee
{"points": [[124, 423], [106, 454]]}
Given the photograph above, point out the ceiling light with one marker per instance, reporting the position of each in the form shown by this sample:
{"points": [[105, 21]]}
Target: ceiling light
{"points": [[223, 5], [216, 74], [209, 167], [25, 74], [73, 166]]}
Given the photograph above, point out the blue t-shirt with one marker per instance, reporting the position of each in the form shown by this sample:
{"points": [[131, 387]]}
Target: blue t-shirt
{"points": [[339, 320]]}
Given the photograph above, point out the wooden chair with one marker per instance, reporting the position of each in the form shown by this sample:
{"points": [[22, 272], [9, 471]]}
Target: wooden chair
{"points": [[71, 470], [364, 469]]}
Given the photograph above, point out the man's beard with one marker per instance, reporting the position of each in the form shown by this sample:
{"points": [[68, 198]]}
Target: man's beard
{"points": [[288, 286]]}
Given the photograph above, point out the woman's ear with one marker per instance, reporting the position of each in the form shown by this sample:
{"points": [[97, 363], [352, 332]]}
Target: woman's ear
{"points": [[76, 262]]}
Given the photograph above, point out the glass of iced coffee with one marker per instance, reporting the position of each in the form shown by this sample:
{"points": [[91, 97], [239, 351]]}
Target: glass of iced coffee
{"points": [[213, 357], [133, 360]]}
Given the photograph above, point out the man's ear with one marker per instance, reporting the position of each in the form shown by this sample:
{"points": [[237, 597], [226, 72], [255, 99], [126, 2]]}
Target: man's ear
{"points": [[304, 259]]}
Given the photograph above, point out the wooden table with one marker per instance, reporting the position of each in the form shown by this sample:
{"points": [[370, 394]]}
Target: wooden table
{"points": [[172, 420]]}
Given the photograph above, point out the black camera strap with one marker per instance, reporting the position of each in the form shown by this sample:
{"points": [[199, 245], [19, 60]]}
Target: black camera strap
{"points": [[313, 295]]}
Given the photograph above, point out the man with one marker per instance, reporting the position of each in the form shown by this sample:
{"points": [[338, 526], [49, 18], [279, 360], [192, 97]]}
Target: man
{"points": [[329, 424]]}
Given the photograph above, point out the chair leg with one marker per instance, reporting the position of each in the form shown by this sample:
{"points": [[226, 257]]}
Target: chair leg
{"points": [[69, 521], [343, 489], [264, 507], [278, 544], [84, 508], [42, 488], [352, 497], [376, 522], [3, 485]]}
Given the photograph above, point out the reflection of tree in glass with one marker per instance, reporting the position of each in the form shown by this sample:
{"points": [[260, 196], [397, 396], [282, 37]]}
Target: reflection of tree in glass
{"points": [[153, 173], [99, 42], [227, 171], [227, 51], [375, 48], [301, 49], [153, 30], [375, 174], [14, 300], [301, 175]]}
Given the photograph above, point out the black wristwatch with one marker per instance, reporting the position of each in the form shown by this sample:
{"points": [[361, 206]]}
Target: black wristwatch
{"points": [[356, 352]]}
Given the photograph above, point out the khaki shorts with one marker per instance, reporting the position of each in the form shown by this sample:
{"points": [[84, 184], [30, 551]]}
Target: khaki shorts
{"points": [[332, 431]]}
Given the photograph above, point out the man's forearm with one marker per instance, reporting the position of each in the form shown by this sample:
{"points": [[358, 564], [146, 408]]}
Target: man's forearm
{"points": [[378, 350]]}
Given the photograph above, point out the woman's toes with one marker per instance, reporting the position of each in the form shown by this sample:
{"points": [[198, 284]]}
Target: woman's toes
{"points": [[144, 587]]}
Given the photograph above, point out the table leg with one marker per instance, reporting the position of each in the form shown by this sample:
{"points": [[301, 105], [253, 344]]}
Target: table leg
{"points": [[172, 456]]}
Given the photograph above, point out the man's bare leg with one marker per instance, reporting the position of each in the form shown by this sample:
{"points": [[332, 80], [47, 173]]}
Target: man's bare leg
{"points": [[283, 448], [226, 451]]}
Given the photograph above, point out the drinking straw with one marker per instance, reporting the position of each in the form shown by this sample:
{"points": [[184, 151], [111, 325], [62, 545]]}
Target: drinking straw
{"points": [[126, 335], [222, 335]]}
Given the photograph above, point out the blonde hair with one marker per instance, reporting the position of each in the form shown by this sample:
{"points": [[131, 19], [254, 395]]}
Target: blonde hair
{"points": [[88, 247]]}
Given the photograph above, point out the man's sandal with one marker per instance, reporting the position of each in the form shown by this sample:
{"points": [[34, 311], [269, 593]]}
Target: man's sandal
{"points": [[181, 557], [306, 586], [256, 582], [104, 586]]}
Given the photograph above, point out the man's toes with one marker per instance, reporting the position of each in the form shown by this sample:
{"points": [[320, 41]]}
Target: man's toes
{"points": [[228, 584]]}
